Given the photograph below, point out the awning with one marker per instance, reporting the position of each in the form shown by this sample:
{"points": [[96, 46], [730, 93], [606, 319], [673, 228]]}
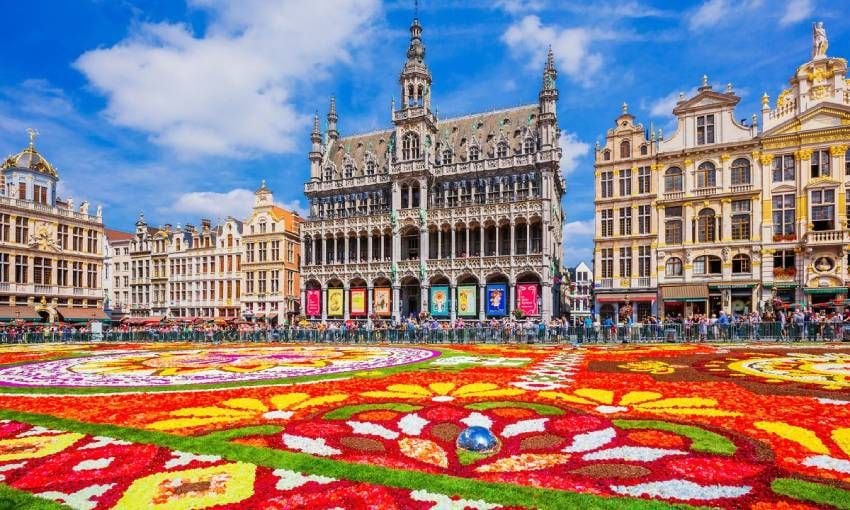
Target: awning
{"points": [[685, 293], [826, 290], [156, 319], [618, 298], [82, 314], [22, 312]]}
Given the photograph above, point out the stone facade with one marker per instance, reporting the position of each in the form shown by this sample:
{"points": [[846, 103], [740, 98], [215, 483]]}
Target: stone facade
{"points": [[579, 294], [740, 219], [51, 252], [116, 273], [423, 216]]}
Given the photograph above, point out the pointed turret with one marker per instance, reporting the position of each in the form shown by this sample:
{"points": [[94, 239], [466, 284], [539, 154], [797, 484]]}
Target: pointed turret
{"points": [[548, 103], [415, 77], [333, 134], [315, 155]]}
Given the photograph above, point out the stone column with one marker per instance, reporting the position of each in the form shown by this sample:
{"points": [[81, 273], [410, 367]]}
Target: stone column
{"points": [[439, 243], [481, 240], [498, 232], [370, 255], [346, 255], [324, 302], [369, 299], [512, 227], [512, 302], [346, 300], [303, 299], [546, 298], [453, 234], [481, 287], [423, 297], [423, 243], [527, 238], [467, 232], [453, 301], [396, 301]]}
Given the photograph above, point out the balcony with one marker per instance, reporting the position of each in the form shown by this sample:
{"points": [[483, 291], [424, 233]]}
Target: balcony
{"points": [[607, 283], [644, 282], [674, 195], [705, 192], [740, 188], [827, 237]]}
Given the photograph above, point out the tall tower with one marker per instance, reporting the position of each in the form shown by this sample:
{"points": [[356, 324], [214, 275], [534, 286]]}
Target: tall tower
{"points": [[548, 104], [415, 124], [315, 155], [333, 134]]}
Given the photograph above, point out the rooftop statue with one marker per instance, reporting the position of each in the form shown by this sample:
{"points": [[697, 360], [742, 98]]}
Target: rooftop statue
{"points": [[819, 41]]}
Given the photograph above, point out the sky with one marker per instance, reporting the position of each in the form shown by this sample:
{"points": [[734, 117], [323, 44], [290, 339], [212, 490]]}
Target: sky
{"points": [[180, 109]]}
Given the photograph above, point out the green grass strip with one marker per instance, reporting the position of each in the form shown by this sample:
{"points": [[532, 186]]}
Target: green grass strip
{"points": [[346, 412], [14, 499], [228, 435], [811, 491], [541, 409], [499, 493], [701, 440]]}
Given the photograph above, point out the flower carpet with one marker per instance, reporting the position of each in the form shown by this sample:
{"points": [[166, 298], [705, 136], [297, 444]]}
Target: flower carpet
{"points": [[287, 426]]}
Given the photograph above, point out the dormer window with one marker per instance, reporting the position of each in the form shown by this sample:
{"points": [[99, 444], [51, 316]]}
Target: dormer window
{"points": [[447, 157], [625, 149], [370, 167], [528, 146], [606, 155], [502, 150], [643, 150], [349, 170], [329, 173], [474, 153], [705, 129]]}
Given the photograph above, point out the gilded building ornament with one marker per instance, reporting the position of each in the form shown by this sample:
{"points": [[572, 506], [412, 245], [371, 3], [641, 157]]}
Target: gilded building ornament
{"points": [[838, 150], [689, 162], [725, 156], [803, 154], [784, 98], [765, 159]]}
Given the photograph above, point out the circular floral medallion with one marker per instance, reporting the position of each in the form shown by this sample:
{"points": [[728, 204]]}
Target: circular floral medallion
{"points": [[829, 370], [208, 366]]}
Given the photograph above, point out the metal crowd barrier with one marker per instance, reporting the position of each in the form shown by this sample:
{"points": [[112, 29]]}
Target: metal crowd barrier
{"points": [[635, 333]]}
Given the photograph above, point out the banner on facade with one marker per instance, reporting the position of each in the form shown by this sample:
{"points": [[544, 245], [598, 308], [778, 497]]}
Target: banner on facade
{"points": [[440, 301], [358, 303], [382, 302], [467, 304], [526, 299], [314, 302], [335, 300], [496, 299]]}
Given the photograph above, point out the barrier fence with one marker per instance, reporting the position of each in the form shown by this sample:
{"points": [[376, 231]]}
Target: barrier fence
{"points": [[637, 333]]}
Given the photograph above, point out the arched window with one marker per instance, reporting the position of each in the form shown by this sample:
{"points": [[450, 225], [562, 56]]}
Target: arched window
{"points": [[370, 167], [447, 157], [329, 173], [625, 149], [706, 175], [706, 226], [349, 169], [644, 150], [673, 267], [740, 172], [528, 145], [741, 264], [502, 150], [474, 153], [707, 264], [606, 155], [673, 179], [410, 146]]}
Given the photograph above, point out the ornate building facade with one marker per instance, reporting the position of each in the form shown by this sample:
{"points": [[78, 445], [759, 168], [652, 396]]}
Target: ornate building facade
{"points": [[272, 256], [579, 293], [51, 257], [116, 273], [742, 219], [455, 218]]}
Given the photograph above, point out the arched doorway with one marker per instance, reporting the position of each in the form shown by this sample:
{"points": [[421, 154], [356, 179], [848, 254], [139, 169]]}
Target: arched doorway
{"points": [[411, 297]]}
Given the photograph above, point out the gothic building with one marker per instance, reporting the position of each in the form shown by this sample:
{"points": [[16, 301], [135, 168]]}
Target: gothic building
{"points": [[722, 215], [453, 218]]}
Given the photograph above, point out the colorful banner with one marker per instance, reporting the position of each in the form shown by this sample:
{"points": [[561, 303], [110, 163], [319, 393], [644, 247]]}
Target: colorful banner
{"points": [[440, 301], [382, 302], [358, 303], [314, 302], [467, 304], [335, 300], [496, 297], [526, 298]]}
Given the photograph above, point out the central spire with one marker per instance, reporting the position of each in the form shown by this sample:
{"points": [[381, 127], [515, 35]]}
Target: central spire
{"points": [[416, 50]]}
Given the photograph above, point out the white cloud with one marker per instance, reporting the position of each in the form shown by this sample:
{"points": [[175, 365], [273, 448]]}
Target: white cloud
{"points": [[529, 38], [796, 10], [572, 150], [210, 204], [714, 12], [519, 6], [297, 206], [578, 228], [663, 106], [230, 90]]}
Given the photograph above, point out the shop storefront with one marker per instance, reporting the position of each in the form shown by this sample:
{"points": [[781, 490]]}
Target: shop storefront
{"points": [[685, 300], [734, 298], [637, 305], [826, 299]]}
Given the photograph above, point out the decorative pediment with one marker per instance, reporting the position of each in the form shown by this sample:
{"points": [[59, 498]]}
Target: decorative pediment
{"points": [[822, 182], [820, 117], [706, 99], [785, 188]]}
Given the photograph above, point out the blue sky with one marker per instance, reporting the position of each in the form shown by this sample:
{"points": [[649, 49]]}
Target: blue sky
{"points": [[180, 109]]}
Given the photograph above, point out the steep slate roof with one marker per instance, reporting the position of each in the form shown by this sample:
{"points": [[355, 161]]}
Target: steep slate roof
{"points": [[485, 129]]}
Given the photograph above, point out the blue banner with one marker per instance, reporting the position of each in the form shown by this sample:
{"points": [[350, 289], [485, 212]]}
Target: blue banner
{"points": [[440, 301], [496, 301]]}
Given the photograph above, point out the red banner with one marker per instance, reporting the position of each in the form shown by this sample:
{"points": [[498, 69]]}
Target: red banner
{"points": [[527, 298], [314, 302]]}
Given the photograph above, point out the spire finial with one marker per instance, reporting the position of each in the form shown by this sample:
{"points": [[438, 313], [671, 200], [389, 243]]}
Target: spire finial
{"points": [[32, 134], [625, 107], [705, 80], [416, 8], [316, 122], [333, 105]]}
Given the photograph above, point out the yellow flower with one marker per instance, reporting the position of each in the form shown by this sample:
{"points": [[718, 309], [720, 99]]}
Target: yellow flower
{"points": [[646, 401], [240, 409], [443, 392]]}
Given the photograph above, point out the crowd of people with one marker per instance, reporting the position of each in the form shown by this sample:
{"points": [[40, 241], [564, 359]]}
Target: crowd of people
{"points": [[799, 324]]}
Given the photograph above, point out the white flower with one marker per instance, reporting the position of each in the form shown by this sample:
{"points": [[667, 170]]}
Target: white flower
{"points": [[94, 464], [184, 458], [591, 440], [477, 420], [308, 445], [289, 480], [827, 462], [632, 453], [101, 441], [442, 502], [524, 427], [681, 489], [412, 424], [82, 499], [371, 429]]}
